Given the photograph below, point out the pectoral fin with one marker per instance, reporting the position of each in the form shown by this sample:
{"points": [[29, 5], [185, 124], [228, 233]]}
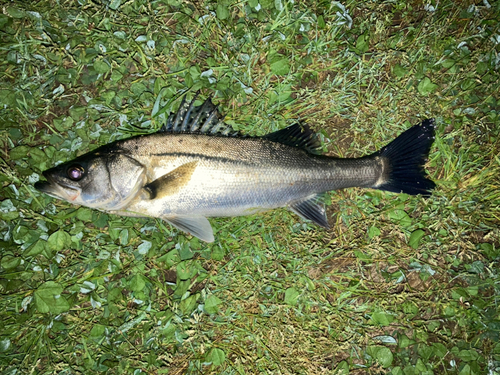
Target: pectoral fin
{"points": [[310, 209], [172, 182], [198, 226]]}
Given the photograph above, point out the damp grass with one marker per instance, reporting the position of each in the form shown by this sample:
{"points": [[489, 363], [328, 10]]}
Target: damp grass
{"points": [[399, 285]]}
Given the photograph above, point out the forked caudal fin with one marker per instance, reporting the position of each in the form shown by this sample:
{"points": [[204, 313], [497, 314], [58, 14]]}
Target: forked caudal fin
{"points": [[404, 160]]}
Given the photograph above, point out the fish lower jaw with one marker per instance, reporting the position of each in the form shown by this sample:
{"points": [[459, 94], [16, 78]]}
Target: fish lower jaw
{"points": [[59, 192]]}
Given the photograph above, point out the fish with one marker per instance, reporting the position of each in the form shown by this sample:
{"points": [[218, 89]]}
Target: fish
{"points": [[197, 167]]}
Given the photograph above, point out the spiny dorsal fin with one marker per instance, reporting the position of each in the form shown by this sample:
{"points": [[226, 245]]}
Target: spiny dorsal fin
{"points": [[197, 119], [298, 135]]}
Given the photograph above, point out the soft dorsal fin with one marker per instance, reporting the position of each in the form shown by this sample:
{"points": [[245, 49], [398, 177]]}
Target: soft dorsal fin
{"points": [[204, 119], [298, 135]]}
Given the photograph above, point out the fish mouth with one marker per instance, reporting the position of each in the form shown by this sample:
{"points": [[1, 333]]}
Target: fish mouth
{"points": [[56, 189]]}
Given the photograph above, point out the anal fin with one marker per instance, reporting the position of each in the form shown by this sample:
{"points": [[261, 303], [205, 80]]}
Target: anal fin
{"points": [[311, 208], [172, 182]]}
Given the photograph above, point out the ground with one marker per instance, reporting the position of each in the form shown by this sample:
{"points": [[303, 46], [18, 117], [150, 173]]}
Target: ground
{"points": [[399, 285]]}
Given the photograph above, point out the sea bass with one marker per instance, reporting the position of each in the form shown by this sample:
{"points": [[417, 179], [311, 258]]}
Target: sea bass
{"points": [[197, 167]]}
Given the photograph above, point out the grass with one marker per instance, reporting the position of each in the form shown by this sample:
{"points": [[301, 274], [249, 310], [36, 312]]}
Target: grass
{"points": [[400, 285]]}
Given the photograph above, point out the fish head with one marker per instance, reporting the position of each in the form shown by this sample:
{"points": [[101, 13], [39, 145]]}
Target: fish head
{"points": [[103, 180]]}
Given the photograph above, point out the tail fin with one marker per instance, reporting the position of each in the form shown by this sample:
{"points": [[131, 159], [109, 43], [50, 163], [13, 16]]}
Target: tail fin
{"points": [[405, 157]]}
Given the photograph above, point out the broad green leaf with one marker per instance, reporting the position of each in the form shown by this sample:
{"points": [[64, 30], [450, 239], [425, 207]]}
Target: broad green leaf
{"points": [[217, 253], [266, 4], [373, 232], [382, 318], [97, 331], [115, 294], [321, 22], [420, 367], [8, 262], [115, 4], [19, 152], [384, 357], [185, 270], [48, 298], [116, 76], [490, 250], [363, 43], [37, 158], [415, 238], [15, 12], [4, 345], [400, 217], [433, 325], [100, 219], [144, 247], [138, 88], [439, 350], [291, 296], [59, 240], [386, 339], [4, 21], [426, 86], [280, 67], [101, 66], [212, 304], [21, 234], [468, 355], [181, 287], [222, 12], [448, 63], [188, 305], [449, 311], [482, 67], [425, 351], [399, 71], [467, 84], [14, 133], [124, 237], [362, 256], [472, 290], [35, 249], [63, 124], [405, 342], [466, 370], [216, 356], [185, 252], [108, 96], [9, 215], [342, 368], [496, 349], [137, 283], [170, 258], [84, 214], [7, 98]]}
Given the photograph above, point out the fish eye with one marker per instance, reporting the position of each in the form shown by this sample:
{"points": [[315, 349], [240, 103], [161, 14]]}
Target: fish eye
{"points": [[75, 172]]}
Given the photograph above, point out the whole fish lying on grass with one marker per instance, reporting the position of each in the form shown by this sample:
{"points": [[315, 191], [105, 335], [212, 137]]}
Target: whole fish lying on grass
{"points": [[193, 169]]}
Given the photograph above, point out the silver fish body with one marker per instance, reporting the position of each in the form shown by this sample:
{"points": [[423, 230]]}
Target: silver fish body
{"points": [[192, 170]]}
